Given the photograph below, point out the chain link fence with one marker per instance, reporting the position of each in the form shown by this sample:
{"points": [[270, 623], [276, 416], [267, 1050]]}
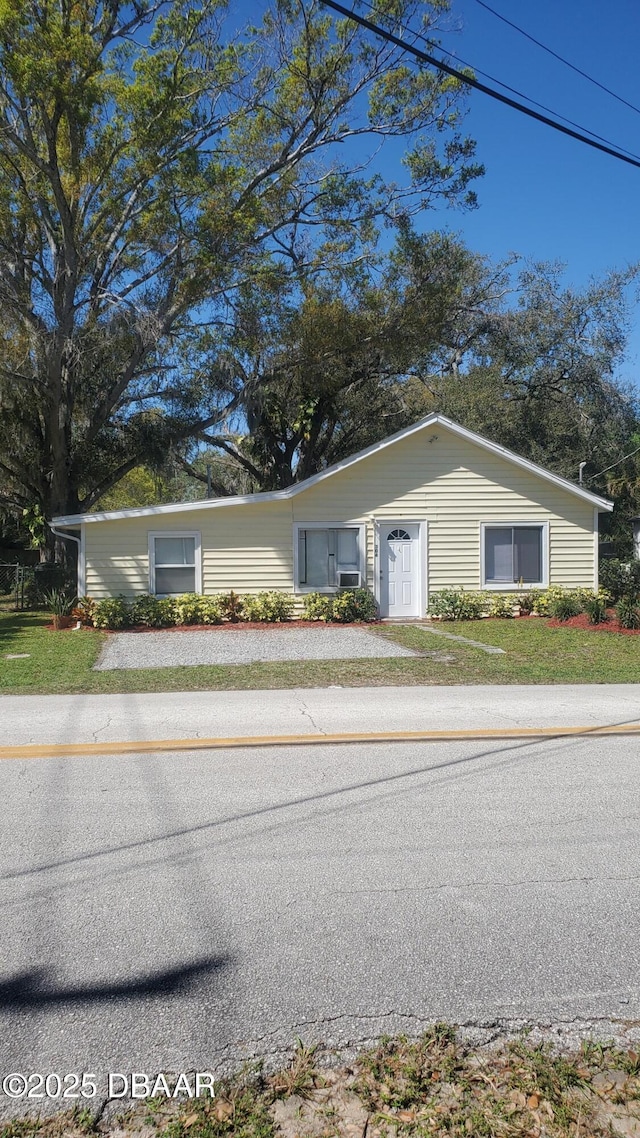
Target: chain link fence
{"points": [[24, 586], [12, 587]]}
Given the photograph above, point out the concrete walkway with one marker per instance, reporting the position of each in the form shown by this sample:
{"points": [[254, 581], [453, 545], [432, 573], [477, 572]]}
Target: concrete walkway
{"points": [[183, 715]]}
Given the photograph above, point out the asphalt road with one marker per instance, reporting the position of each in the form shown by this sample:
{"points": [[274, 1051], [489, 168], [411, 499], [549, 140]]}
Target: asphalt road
{"points": [[82, 718], [179, 911]]}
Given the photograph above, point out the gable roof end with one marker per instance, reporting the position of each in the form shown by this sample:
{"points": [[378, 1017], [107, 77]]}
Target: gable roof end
{"points": [[599, 503]]}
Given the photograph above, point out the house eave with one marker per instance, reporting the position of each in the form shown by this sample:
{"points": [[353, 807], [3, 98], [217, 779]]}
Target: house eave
{"points": [[601, 504]]}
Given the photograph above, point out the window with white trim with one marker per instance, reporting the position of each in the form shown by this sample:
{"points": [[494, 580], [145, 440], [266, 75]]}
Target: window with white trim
{"points": [[326, 555], [513, 554], [173, 563]]}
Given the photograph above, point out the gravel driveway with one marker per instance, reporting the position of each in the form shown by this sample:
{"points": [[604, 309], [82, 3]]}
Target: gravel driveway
{"points": [[241, 646]]}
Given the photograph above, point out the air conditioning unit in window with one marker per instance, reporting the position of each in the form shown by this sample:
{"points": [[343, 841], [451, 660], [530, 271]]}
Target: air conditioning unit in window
{"points": [[347, 579]]}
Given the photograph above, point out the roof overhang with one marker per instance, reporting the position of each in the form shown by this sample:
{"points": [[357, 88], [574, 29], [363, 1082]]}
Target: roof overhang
{"points": [[601, 504]]}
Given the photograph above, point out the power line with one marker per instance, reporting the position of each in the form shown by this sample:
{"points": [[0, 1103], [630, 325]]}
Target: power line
{"points": [[623, 459], [535, 103], [522, 95], [561, 58], [440, 65]]}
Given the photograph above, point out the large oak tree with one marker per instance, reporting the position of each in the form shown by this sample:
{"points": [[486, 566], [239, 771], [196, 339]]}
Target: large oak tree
{"points": [[155, 163], [507, 349]]}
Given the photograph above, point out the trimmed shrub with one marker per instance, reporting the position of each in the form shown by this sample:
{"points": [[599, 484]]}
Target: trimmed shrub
{"points": [[85, 609], [527, 602], [231, 606], [501, 606], [317, 606], [595, 606], [210, 610], [620, 578], [455, 604], [585, 595], [188, 608], [628, 613], [343, 607], [563, 606], [555, 598], [541, 604], [112, 613], [267, 606], [194, 608], [354, 604], [543, 601], [153, 612], [279, 606]]}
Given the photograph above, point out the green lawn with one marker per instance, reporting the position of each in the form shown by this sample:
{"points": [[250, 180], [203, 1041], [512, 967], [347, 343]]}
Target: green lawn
{"points": [[535, 654]]}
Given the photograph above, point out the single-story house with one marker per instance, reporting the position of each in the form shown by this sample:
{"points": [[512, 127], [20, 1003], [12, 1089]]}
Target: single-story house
{"points": [[434, 506]]}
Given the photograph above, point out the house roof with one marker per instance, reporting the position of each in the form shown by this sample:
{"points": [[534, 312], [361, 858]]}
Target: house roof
{"points": [[71, 520]]}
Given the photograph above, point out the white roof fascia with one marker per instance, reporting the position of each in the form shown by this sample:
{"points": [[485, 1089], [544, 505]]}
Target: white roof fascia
{"points": [[532, 467], [291, 491], [479, 440], [241, 500], [167, 508]]}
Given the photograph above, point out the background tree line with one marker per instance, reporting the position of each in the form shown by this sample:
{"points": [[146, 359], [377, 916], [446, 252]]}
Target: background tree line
{"points": [[200, 264]]}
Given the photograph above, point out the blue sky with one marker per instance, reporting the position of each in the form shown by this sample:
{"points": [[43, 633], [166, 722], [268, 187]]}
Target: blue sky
{"points": [[544, 195]]}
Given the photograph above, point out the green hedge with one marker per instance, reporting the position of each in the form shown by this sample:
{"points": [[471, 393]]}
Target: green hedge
{"points": [[192, 608], [621, 579], [343, 607], [456, 604]]}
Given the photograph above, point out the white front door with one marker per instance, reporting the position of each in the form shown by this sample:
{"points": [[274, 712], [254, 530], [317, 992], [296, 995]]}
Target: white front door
{"points": [[400, 569]]}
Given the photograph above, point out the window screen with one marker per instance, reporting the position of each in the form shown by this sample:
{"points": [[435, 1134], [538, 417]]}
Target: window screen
{"points": [[347, 548], [498, 554], [175, 550], [175, 565], [317, 557], [513, 553], [323, 553], [527, 553]]}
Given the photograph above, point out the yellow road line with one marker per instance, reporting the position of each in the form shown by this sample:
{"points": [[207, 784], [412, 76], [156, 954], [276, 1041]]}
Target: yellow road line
{"points": [[148, 746]]}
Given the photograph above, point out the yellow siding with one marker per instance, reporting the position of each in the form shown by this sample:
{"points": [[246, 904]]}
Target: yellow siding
{"points": [[246, 548], [455, 485], [116, 555], [432, 476]]}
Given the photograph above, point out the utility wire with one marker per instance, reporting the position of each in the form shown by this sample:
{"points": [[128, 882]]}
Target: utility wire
{"points": [[623, 459], [440, 65], [559, 57], [521, 94]]}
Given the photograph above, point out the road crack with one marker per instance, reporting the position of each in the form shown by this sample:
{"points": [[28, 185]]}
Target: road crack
{"points": [[582, 879], [305, 711], [103, 727]]}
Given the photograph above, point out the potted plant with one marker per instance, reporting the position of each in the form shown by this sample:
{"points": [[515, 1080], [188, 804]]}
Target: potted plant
{"points": [[60, 605]]}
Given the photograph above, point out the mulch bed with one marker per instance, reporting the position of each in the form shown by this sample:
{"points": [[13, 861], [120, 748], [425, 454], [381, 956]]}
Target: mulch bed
{"points": [[244, 626], [582, 622]]}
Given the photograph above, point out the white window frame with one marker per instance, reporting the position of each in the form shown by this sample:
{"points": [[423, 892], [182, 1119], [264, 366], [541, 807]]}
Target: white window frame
{"points": [[153, 534], [513, 586], [361, 545]]}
